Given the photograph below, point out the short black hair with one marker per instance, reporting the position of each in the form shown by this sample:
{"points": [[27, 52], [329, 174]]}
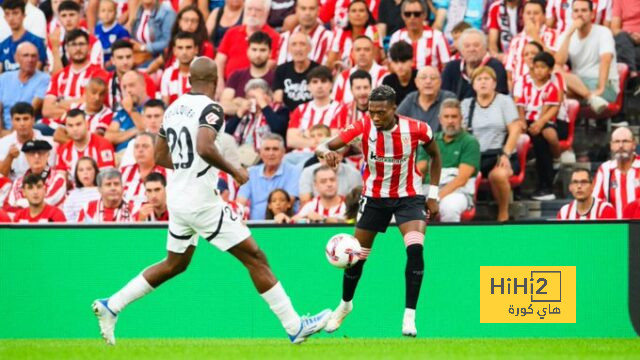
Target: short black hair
{"points": [[69, 5], [401, 51], [360, 74], [536, 44], [320, 72], [14, 4], [545, 58], [183, 35], [121, 44], [383, 93], [74, 34], [76, 112], [22, 108], [96, 170], [32, 180], [156, 176], [578, 170], [260, 37], [540, 3], [154, 103], [587, 1]]}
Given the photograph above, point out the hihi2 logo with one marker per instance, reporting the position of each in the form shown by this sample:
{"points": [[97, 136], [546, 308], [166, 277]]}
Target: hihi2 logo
{"points": [[527, 294]]}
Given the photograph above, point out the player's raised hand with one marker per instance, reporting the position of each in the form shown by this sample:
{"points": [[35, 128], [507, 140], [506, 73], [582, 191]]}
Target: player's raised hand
{"points": [[433, 208], [241, 175]]}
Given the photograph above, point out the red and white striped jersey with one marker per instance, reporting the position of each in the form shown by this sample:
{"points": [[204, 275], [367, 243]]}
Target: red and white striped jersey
{"points": [[315, 205], [342, 43], [515, 61], [342, 87], [56, 186], [151, 217], [333, 115], [390, 170], [231, 184], [96, 52], [5, 188], [616, 187], [143, 33], [174, 83], [48, 215], [96, 212], [337, 10], [507, 21], [355, 114], [526, 82], [69, 84], [98, 148], [534, 98], [133, 183], [599, 210], [321, 39], [430, 50], [561, 11], [98, 120]]}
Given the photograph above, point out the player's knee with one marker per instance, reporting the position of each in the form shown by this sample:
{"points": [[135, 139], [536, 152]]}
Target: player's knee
{"points": [[176, 267], [256, 258]]}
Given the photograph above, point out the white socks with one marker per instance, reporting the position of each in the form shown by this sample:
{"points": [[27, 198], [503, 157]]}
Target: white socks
{"points": [[409, 315], [135, 289], [280, 304]]}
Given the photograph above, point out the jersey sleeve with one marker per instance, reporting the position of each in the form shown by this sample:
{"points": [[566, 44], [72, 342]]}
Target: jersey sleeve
{"points": [[425, 134], [354, 130], [53, 85], [492, 19], [552, 96], [608, 212], [58, 216], [212, 117], [60, 163], [294, 118]]}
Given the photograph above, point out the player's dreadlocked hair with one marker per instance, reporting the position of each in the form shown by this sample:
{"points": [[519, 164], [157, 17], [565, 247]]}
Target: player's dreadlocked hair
{"points": [[383, 93]]}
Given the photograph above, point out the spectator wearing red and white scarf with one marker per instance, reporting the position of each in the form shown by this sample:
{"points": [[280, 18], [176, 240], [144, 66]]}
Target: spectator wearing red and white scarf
{"points": [[133, 176], [83, 143], [328, 206], [111, 207]]}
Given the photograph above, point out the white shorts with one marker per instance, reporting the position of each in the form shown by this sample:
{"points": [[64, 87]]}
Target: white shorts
{"points": [[218, 224]]}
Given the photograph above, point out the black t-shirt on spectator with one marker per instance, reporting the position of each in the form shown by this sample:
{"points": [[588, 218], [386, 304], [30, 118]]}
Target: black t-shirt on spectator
{"points": [[293, 84], [401, 91], [453, 81], [389, 14]]}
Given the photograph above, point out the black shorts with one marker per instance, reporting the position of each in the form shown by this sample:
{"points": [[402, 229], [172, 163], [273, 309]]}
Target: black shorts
{"points": [[489, 158], [374, 214], [561, 127]]}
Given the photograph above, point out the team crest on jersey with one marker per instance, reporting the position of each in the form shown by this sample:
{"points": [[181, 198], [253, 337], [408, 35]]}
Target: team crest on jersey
{"points": [[106, 155], [406, 140], [212, 118]]}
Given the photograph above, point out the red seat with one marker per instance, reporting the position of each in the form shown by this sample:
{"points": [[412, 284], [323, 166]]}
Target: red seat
{"points": [[469, 214], [573, 108], [614, 108], [523, 148]]}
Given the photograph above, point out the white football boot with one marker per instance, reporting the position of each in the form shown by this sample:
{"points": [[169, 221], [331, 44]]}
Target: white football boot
{"points": [[409, 323], [310, 325], [106, 320], [338, 316]]}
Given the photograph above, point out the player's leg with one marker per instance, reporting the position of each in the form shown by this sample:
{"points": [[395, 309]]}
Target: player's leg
{"points": [[373, 217], [233, 236]]}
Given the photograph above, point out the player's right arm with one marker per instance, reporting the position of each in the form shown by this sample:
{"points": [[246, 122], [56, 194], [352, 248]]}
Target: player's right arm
{"points": [[211, 121], [327, 150], [162, 154]]}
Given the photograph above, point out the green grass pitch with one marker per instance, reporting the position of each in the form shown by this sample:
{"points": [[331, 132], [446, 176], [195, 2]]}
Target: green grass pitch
{"points": [[325, 349]]}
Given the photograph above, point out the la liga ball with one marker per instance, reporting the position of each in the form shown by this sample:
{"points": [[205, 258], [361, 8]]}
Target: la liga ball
{"points": [[343, 250]]}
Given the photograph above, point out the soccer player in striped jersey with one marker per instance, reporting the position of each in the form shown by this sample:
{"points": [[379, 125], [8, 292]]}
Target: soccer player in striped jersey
{"points": [[618, 180], [392, 187], [188, 143], [585, 206]]}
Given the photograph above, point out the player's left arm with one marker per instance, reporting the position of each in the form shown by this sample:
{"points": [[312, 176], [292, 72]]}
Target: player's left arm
{"points": [[434, 171], [162, 154]]}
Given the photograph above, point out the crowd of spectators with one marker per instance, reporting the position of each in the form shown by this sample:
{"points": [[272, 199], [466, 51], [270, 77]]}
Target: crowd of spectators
{"points": [[84, 85]]}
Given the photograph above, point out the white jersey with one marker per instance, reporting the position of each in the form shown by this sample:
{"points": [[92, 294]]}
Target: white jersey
{"points": [[193, 184]]}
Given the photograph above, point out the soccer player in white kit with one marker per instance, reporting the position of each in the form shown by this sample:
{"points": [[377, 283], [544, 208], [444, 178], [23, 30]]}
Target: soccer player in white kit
{"points": [[187, 145]]}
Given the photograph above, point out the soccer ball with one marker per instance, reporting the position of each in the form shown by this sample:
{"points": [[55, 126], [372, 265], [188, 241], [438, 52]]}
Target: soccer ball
{"points": [[343, 250]]}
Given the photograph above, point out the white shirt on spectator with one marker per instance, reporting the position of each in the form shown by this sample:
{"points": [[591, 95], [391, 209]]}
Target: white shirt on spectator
{"points": [[348, 178], [584, 54], [20, 165], [77, 199]]}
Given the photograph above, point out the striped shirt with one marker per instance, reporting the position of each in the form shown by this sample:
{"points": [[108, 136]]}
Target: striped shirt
{"points": [[430, 50], [515, 62], [143, 33], [338, 11], [599, 210], [333, 115], [526, 81], [320, 37], [56, 186], [315, 205], [133, 183], [76, 200], [69, 84], [97, 121], [390, 170], [616, 187], [96, 212], [174, 83], [561, 11], [343, 43], [98, 148], [342, 87], [533, 99]]}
